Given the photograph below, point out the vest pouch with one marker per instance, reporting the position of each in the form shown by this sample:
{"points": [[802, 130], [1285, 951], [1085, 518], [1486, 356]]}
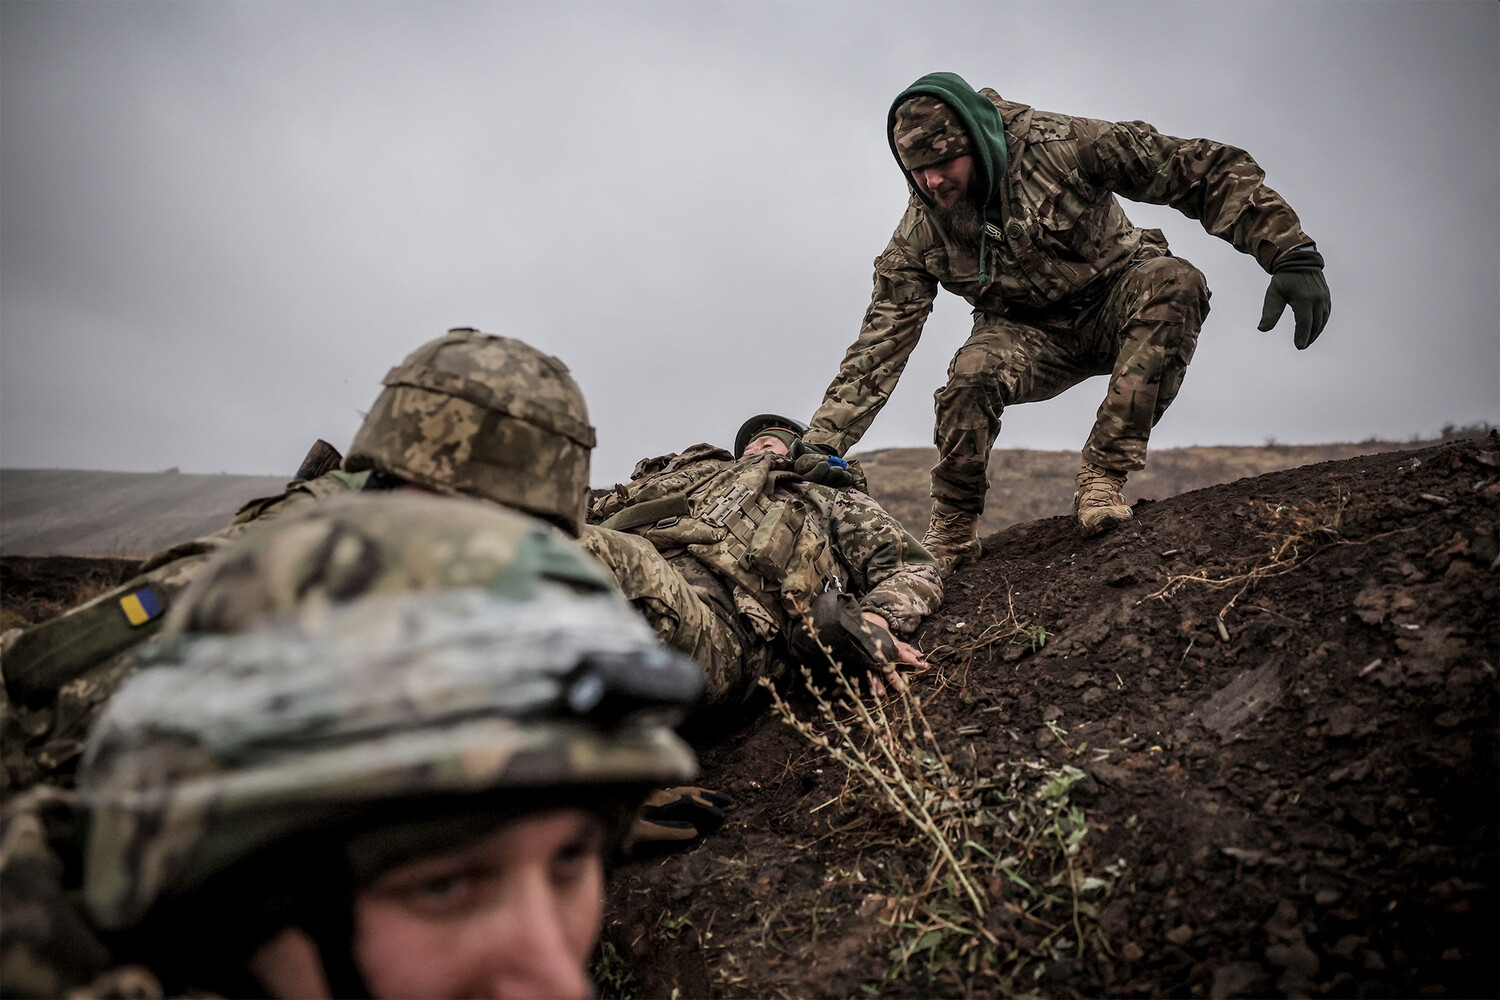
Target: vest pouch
{"points": [[681, 532], [810, 570], [774, 540]]}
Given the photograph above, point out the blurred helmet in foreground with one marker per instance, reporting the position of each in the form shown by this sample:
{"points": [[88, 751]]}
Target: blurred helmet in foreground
{"points": [[410, 652], [483, 416]]}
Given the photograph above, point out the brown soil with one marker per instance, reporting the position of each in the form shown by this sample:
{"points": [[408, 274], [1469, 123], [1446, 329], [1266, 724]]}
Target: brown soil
{"points": [[1026, 485], [1302, 805], [1307, 807]]}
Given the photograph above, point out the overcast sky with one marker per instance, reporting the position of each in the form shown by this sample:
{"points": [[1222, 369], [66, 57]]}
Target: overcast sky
{"points": [[221, 223]]}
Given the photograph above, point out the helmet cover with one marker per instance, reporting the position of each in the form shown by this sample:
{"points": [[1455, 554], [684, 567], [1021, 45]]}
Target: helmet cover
{"points": [[485, 416]]}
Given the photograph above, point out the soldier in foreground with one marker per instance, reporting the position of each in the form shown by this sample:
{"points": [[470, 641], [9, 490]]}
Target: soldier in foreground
{"points": [[728, 556], [1014, 209], [382, 748], [467, 414]]}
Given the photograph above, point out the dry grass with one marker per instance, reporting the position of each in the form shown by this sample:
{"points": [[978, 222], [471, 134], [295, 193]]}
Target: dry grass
{"points": [[1006, 885], [1299, 532], [1011, 629], [24, 602]]}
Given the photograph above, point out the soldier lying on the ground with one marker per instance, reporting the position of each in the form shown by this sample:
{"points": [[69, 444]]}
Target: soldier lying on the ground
{"points": [[380, 749], [468, 414], [726, 557]]}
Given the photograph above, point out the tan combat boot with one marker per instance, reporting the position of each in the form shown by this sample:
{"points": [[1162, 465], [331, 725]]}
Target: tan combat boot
{"points": [[1099, 502], [952, 537]]}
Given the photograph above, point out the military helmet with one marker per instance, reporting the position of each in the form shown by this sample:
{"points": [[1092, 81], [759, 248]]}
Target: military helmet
{"points": [[481, 658], [484, 416], [763, 423]]}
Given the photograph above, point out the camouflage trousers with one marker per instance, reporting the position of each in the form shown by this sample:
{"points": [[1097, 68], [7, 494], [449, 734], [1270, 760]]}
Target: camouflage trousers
{"points": [[1141, 331], [681, 612]]}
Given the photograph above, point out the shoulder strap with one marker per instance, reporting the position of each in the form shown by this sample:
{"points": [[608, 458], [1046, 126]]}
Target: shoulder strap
{"points": [[648, 512]]}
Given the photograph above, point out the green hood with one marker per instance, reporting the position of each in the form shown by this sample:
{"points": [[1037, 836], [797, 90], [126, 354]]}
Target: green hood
{"points": [[986, 129]]}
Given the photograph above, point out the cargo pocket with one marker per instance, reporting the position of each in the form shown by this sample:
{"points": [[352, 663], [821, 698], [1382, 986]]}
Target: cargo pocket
{"points": [[775, 538]]}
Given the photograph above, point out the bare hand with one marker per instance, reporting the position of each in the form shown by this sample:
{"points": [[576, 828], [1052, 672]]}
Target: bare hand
{"points": [[906, 655]]}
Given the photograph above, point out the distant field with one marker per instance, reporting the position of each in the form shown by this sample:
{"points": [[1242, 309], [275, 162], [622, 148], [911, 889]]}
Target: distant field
{"points": [[128, 515], [1027, 485], [123, 515]]}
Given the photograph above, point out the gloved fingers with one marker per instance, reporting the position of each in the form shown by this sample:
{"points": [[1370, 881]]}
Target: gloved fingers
{"points": [[800, 448], [1302, 335], [662, 797], [704, 816], [652, 831], [713, 798], [805, 464], [1320, 320], [702, 808], [1311, 303], [1275, 305], [693, 793], [819, 469]]}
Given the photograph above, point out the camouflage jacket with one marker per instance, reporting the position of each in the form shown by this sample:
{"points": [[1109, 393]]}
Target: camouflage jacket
{"points": [[50, 947], [1064, 237], [776, 541], [58, 673]]}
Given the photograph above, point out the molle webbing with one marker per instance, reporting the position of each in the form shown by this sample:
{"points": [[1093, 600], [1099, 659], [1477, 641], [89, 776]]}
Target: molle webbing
{"points": [[739, 511]]}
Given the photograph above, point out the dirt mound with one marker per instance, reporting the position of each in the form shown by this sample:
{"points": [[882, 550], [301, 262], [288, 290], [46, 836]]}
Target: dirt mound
{"points": [[1245, 745], [1026, 485]]}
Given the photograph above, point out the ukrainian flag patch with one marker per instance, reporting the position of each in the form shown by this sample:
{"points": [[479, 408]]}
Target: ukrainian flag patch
{"points": [[140, 607]]}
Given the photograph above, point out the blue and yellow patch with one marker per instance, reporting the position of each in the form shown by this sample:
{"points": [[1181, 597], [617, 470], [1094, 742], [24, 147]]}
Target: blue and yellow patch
{"points": [[140, 607]]}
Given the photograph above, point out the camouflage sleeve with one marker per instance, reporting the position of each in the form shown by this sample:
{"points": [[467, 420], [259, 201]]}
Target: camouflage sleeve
{"points": [[893, 574], [899, 305], [1217, 184], [330, 484], [48, 945]]}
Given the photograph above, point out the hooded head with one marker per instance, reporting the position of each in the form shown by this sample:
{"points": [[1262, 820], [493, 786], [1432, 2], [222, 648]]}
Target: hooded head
{"points": [[941, 117]]}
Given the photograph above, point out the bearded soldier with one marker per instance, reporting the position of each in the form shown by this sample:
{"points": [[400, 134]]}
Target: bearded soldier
{"points": [[381, 748], [1014, 209], [733, 559]]}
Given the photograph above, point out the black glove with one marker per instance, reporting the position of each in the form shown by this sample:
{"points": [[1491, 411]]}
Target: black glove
{"points": [[1297, 279], [833, 620], [677, 815], [818, 463]]}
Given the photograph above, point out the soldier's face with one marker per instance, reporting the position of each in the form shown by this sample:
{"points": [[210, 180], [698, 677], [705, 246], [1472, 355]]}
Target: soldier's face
{"points": [[514, 914], [765, 443], [945, 183]]}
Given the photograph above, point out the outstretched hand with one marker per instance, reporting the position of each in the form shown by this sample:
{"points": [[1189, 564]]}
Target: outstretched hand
{"points": [[907, 655], [1297, 280]]}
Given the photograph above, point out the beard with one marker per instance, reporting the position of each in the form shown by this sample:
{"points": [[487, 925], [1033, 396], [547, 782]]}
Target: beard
{"points": [[962, 222]]}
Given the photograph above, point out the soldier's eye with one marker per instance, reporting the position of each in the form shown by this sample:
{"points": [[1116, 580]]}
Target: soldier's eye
{"points": [[575, 856], [439, 887]]}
